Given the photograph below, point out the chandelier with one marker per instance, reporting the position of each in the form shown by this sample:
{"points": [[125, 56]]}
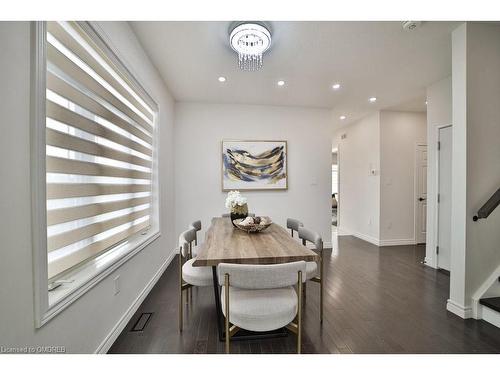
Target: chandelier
{"points": [[250, 41]]}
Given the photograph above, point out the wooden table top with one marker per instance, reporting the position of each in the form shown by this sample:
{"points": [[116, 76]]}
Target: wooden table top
{"points": [[226, 244]]}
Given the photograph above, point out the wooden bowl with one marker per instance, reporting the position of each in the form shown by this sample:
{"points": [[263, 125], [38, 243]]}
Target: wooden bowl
{"points": [[252, 228]]}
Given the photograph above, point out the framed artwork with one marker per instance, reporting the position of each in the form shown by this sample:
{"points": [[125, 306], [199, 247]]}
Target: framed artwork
{"points": [[254, 165]]}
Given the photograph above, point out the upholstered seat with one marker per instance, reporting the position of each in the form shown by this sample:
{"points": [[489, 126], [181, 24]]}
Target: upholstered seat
{"points": [[189, 275], [311, 270], [261, 298], [252, 310], [198, 276]]}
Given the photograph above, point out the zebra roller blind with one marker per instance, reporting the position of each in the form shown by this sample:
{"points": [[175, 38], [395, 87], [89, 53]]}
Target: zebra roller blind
{"points": [[99, 148]]}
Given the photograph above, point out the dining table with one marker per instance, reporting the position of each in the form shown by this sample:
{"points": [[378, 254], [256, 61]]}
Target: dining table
{"points": [[224, 243]]}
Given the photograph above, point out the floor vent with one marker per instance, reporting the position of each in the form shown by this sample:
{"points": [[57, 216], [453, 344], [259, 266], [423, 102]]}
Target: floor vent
{"points": [[142, 322]]}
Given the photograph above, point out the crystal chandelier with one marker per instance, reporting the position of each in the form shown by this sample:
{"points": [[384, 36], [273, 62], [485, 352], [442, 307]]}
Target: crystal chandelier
{"points": [[250, 41]]}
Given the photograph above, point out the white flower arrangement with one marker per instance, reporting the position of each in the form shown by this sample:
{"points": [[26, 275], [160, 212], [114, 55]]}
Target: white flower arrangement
{"points": [[234, 198]]}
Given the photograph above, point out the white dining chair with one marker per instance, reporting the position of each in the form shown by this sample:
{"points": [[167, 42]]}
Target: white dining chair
{"points": [[196, 225], [312, 267], [189, 275], [293, 225], [261, 298]]}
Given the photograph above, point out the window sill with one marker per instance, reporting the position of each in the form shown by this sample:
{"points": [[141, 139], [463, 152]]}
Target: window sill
{"points": [[86, 277]]}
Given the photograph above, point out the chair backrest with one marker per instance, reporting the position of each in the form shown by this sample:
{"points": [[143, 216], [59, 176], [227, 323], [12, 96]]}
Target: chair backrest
{"points": [[269, 276], [195, 225], [293, 224], [185, 240], [311, 236]]}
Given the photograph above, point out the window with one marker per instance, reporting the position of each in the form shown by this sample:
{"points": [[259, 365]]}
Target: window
{"points": [[99, 135]]}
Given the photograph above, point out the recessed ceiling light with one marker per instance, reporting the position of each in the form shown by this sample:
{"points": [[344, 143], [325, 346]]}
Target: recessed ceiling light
{"points": [[426, 102], [281, 83], [336, 86], [372, 99], [342, 117], [222, 79]]}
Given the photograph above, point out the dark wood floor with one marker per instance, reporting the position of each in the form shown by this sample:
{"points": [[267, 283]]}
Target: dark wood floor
{"points": [[377, 300]]}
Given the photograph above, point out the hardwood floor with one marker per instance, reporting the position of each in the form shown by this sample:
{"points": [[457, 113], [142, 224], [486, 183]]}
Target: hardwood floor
{"points": [[377, 300]]}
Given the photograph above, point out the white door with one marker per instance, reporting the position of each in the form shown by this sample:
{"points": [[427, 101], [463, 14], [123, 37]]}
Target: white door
{"points": [[444, 198], [421, 193]]}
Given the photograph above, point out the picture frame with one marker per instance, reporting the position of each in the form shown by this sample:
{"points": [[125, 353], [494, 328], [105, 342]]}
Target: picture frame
{"points": [[254, 165]]}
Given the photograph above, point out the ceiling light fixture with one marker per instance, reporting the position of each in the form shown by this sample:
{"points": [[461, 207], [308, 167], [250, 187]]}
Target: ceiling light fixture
{"points": [[281, 83], [342, 117], [222, 79], [250, 40], [372, 99], [336, 86]]}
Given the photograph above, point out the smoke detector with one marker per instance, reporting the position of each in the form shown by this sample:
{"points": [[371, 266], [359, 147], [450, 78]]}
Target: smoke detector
{"points": [[411, 25]]}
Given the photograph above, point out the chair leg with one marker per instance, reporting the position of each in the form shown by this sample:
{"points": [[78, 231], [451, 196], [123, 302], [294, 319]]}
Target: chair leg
{"points": [[180, 293], [299, 313], [226, 295]]}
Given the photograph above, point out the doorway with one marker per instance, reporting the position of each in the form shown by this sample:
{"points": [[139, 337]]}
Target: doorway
{"points": [[443, 249], [420, 212], [335, 190]]}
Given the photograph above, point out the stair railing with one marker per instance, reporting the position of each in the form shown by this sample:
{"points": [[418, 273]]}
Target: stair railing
{"points": [[488, 207]]}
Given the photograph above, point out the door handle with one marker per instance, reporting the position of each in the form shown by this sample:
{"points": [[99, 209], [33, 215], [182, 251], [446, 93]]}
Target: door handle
{"points": [[421, 199]]}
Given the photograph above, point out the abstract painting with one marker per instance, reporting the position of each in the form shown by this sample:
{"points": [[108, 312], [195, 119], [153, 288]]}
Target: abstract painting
{"points": [[254, 165]]}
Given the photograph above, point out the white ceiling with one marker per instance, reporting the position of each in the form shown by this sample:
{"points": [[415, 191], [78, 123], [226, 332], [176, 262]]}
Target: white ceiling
{"points": [[368, 59]]}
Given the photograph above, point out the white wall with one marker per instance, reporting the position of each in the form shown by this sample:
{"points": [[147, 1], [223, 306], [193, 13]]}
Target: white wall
{"points": [[199, 130], [476, 159], [399, 134], [457, 301], [359, 195], [483, 151], [379, 208], [439, 113], [84, 325]]}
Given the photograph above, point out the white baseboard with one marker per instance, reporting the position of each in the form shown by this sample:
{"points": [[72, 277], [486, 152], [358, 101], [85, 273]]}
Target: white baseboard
{"points": [[376, 241], [122, 322], [367, 238], [397, 242], [491, 316], [343, 232], [465, 312]]}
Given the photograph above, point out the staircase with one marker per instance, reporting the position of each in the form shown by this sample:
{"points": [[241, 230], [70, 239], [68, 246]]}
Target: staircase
{"points": [[490, 310], [485, 302]]}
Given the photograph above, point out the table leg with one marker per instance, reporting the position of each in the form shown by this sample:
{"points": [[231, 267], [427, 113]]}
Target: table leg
{"points": [[218, 307]]}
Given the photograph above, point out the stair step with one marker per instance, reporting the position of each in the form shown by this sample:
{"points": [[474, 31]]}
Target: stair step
{"points": [[492, 303]]}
